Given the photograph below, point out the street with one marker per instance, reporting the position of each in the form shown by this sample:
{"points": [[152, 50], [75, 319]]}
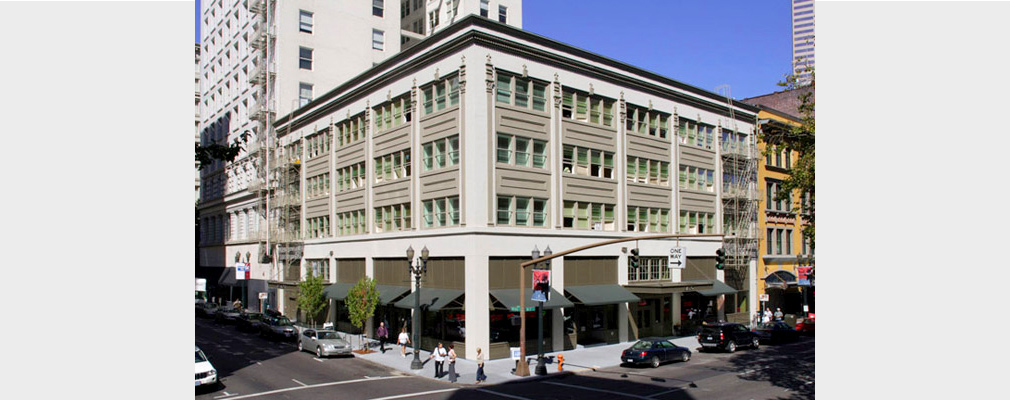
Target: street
{"points": [[253, 367]]}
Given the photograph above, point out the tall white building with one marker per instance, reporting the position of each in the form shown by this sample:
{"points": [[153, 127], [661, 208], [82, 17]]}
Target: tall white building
{"points": [[803, 38], [196, 136], [263, 58]]}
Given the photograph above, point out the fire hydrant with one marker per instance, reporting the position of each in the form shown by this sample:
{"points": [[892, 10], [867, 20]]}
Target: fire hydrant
{"points": [[561, 361]]}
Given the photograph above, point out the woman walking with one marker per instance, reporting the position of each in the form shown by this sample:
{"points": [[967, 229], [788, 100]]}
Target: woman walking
{"points": [[403, 340], [452, 364], [480, 367]]}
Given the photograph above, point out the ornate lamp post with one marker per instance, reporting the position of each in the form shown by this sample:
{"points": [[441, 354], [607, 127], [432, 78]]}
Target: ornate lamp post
{"points": [[541, 363], [417, 269]]}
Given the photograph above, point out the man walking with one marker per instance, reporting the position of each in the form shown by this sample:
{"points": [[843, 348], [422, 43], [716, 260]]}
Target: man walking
{"points": [[439, 355], [383, 335]]}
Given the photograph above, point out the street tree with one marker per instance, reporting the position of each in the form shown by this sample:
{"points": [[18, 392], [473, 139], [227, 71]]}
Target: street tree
{"points": [[310, 296], [216, 150], [361, 301]]}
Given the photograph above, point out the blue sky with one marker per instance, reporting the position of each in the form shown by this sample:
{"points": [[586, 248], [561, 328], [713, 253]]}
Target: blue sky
{"points": [[745, 44]]}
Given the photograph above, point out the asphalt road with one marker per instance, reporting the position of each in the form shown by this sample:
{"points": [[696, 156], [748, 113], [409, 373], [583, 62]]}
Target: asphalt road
{"points": [[253, 367]]}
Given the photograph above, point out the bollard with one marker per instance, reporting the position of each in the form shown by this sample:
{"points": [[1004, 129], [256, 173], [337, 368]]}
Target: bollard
{"points": [[561, 361]]}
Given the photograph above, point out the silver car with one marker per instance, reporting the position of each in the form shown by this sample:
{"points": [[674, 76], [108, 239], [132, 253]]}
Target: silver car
{"points": [[325, 342], [277, 328]]}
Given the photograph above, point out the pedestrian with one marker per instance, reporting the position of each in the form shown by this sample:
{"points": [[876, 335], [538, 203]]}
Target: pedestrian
{"points": [[439, 355], [767, 317], [778, 314], [237, 304], [383, 335], [452, 364], [480, 367], [403, 340], [690, 313]]}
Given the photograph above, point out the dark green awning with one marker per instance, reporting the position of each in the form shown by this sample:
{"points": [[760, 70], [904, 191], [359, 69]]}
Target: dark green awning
{"points": [[667, 287], [431, 299], [510, 298], [388, 293], [718, 287], [337, 291], [595, 295]]}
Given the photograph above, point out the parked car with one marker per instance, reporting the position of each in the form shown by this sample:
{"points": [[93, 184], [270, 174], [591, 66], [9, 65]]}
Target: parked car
{"points": [[726, 336], [206, 310], [325, 342], [805, 326], [654, 351], [280, 327], [776, 332], [206, 374], [226, 315], [248, 321]]}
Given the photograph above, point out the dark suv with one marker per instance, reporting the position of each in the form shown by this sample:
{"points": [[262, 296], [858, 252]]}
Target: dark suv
{"points": [[726, 336]]}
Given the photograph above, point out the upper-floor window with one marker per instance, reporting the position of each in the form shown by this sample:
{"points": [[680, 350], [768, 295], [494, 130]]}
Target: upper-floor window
{"points": [[320, 267], [771, 191], [650, 269], [318, 143], [392, 166], [318, 227], [351, 223], [522, 151], [647, 122], [304, 93], [392, 218], [694, 134], [441, 212], [646, 219], [317, 186], [583, 107], [377, 7], [521, 211], [440, 153], [441, 94], [483, 8], [305, 58], [694, 178], [393, 113], [432, 20], [351, 130], [521, 92], [733, 142], [351, 177], [378, 39], [502, 14], [588, 162], [643, 170], [404, 8], [304, 21], [593, 216], [697, 222]]}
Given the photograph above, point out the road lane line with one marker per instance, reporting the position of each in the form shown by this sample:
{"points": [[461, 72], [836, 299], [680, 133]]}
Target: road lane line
{"points": [[318, 359], [502, 394], [665, 392], [296, 381], [226, 394], [309, 387], [415, 394], [599, 390]]}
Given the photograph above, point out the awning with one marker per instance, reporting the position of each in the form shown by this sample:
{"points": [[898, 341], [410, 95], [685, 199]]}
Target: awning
{"points": [[227, 277], [667, 287], [337, 291], [718, 288], [388, 293], [595, 295], [510, 298], [431, 299]]}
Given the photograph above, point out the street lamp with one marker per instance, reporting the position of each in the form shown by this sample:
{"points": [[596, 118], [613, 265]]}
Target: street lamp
{"points": [[417, 269], [541, 363]]}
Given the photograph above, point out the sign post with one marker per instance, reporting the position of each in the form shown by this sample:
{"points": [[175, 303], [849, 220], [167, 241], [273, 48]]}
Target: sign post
{"points": [[678, 257]]}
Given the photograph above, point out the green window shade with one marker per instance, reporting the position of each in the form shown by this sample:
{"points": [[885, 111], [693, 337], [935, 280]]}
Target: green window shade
{"points": [[440, 212], [427, 155], [597, 158], [428, 100], [454, 150], [504, 206], [429, 216], [608, 113], [453, 91], [522, 211], [522, 151], [397, 113], [583, 156], [594, 112], [539, 216], [631, 168], [569, 211], [539, 154], [581, 107], [504, 89], [397, 218], [683, 176], [454, 211], [583, 217], [643, 170], [539, 96], [654, 171], [664, 172], [387, 118], [440, 153], [439, 96], [608, 213]]}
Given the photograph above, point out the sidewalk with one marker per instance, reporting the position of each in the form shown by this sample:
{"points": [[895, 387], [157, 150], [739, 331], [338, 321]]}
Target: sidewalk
{"points": [[500, 370]]}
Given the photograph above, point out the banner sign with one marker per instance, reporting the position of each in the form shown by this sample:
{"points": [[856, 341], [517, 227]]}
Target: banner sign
{"points": [[541, 284], [242, 271], [803, 278]]}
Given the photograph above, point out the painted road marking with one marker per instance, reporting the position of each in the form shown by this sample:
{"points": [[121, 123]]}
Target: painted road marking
{"points": [[318, 359], [665, 392], [503, 394], [598, 390], [416, 394], [296, 381], [307, 387], [226, 394]]}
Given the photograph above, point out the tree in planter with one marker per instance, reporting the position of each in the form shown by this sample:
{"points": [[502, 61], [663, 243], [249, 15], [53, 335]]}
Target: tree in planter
{"points": [[310, 296], [361, 302]]}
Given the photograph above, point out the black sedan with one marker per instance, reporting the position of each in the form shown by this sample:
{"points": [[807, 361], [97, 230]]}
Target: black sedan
{"points": [[776, 332], [249, 321], [654, 351]]}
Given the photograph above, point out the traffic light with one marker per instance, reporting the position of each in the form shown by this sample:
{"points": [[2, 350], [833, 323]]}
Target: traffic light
{"points": [[634, 258], [720, 259]]}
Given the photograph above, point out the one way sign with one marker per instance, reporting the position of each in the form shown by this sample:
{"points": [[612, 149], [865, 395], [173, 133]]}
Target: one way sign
{"points": [[678, 257]]}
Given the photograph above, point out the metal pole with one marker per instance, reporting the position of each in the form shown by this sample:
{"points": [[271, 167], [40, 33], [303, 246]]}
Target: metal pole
{"points": [[541, 366], [522, 368], [416, 364]]}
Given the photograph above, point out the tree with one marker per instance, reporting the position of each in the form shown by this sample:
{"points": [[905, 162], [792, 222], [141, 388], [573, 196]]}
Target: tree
{"points": [[310, 296], [218, 151], [798, 138], [361, 301]]}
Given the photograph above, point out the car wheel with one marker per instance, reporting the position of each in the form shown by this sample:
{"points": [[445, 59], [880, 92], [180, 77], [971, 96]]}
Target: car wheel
{"points": [[319, 352], [655, 362], [731, 346], [685, 356], [754, 342]]}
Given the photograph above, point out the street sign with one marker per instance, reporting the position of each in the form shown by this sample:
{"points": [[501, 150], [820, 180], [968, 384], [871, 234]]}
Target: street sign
{"points": [[764, 297], [241, 271], [515, 352], [263, 295], [201, 285], [516, 309], [678, 257]]}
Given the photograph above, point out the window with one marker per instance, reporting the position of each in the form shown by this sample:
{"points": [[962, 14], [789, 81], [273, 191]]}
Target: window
{"points": [[483, 8], [528, 152], [377, 8], [694, 178], [392, 218], [378, 39], [588, 216], [644, 219], [304, 93], [351, 223], [318, 143], [432, 20], [653, 172], [304, 21], [789, 241], [587, 162], [769, 241], [393, 166], [305, 58], [650, 269], [527, 211], [778, 241], [441, 212], [523, 88], [393, 113], [502, 14], [317, 186], [583, 107], [644, 121], [441, 94], [350, 131], [440, 153], [318, 227], [697, 222], [351, 177], [789, 161], [404, 8], [319, 267]]}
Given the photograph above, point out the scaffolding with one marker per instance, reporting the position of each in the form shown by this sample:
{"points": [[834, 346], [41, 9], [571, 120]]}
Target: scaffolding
{"points": [[739, 161]]}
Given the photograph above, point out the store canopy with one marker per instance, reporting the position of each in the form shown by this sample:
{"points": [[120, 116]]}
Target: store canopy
{"points": [[594, 295], [667, 287], [431, 299], [388, 293], [337, 291], [510, 299], [718, 288], [227, 277]]}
